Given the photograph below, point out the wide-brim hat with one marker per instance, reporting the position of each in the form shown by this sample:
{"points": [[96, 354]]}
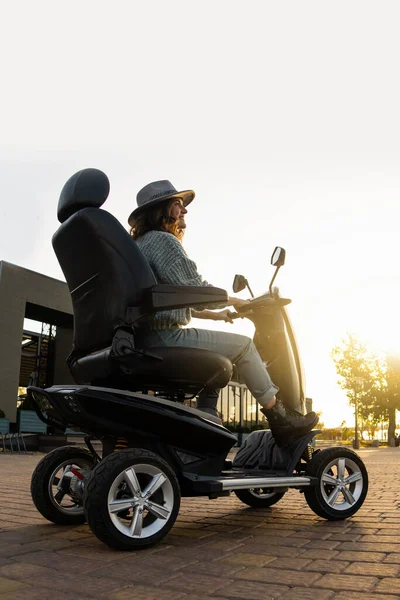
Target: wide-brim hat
{"points": [[157, 192]]}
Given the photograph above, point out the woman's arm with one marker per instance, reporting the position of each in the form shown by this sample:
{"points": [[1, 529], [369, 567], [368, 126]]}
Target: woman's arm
{"points": [[222, 315], [174, 266]]}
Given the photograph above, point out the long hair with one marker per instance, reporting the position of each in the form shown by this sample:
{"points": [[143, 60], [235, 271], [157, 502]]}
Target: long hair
{"points": [[156, 218]]}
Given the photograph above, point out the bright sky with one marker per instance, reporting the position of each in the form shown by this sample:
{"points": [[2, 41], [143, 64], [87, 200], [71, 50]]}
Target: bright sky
{"points": [[283, 116]]}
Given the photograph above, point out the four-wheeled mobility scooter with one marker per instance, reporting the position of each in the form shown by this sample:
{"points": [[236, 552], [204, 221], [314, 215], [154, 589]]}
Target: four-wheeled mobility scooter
{"points": [[131, 497]]}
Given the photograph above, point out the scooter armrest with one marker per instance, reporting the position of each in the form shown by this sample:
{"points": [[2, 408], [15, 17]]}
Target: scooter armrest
{"points": [[164, 296]]}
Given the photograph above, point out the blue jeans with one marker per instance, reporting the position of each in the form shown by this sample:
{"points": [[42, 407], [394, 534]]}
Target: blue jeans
{"points": [[239, 349]]}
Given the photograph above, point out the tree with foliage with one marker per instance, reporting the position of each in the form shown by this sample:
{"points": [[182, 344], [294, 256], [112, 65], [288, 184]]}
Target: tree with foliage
{"points": [[371, 383], [361, 376], [388, 399]]}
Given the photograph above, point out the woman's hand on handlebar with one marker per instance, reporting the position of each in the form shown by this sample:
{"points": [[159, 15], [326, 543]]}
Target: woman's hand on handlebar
{"points": [[224, 315]]}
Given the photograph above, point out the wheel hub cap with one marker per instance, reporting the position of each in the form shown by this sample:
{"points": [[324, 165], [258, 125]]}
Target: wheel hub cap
{"points": [[145, 504], [341, 483]]}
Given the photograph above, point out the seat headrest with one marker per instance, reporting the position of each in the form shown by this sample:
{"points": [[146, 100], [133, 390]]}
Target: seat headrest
{"points": [[89, 187]]}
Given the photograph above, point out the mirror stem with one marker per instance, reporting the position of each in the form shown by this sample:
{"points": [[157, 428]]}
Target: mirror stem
{"points": [[249, 288], [273, 279]]}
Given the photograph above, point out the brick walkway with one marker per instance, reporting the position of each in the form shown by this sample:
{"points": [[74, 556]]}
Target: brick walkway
{"points": [[217, 548]]}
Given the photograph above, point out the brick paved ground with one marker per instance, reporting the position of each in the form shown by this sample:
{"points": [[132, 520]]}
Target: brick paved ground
{"points": [[217, 549]]}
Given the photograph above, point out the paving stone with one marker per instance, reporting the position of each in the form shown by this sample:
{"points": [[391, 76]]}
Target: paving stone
{"points": [[298, 593], [318, 534], [9, 585], [196, 583], [89, 586], [356, 596], [72, 535], [128, 572], [31, 592], [19, 571], [383, 533], [316, 554], [223, 545], [8, 551], [377, 569], [247, 560], [345, 537], [384, 539], [362, 531], [251, 590], [51, 544], [392, 558], [159, 560], [217, 568], [388, 585], [190, 554], [58, 561], [141, 592], [293, 542], [296, 564], [347, 582], [277, 549], [288, 528], [280, 576], [19, 537], [326, 566], [322, 544], [390, 526], [99, 552], [192, 533], [193, 596], [360, 556], [270, 534]]}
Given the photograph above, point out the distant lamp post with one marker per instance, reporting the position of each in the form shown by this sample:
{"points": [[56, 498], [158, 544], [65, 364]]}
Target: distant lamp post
{"points": [[358, 386]]}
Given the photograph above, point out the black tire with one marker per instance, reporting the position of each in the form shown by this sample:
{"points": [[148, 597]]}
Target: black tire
{"points": [[259, 498], [109, 484], [63, 510], [340, 500]]}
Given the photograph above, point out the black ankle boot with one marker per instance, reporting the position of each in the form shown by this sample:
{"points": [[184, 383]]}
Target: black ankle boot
{"points": [[288, 425], [207, 402]]}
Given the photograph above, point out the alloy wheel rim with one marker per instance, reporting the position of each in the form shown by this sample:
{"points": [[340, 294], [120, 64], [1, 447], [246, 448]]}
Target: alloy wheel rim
{"points": [[341, 484], [62, 500], [140, 501]]}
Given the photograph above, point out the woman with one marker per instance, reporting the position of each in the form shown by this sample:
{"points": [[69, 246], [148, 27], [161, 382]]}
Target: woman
{"points": [[157, 226]]}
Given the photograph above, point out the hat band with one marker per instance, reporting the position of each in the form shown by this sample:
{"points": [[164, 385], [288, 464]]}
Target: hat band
{"points": [[160, 194]]}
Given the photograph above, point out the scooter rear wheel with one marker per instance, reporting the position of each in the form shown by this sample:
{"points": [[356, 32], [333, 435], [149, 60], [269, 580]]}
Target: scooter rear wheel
{"points": [[259, 497], [57, 484], [343, 483], [132, 499]]}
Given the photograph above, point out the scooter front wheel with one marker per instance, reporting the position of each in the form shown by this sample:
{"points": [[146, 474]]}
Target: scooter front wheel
{"points": [[259, 497], [342, 486], [132, 499]]}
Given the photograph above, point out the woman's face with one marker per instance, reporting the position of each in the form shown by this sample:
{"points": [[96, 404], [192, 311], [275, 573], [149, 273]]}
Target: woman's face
{"points": [[178, 212]]}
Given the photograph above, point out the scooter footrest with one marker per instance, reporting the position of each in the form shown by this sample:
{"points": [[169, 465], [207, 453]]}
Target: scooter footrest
{"points": [[261, 452]]}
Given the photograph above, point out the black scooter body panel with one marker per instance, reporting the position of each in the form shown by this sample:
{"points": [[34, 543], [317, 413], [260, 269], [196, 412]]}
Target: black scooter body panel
{"points": [[193, 445], [138, 417]]}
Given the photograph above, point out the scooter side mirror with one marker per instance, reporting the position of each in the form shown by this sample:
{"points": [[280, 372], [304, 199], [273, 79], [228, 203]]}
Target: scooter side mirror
{"points": [[239, 283], [278, 257]]}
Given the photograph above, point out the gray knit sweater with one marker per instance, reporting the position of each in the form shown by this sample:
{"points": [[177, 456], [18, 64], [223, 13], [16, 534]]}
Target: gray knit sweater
{"points": [[170, 264]]}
